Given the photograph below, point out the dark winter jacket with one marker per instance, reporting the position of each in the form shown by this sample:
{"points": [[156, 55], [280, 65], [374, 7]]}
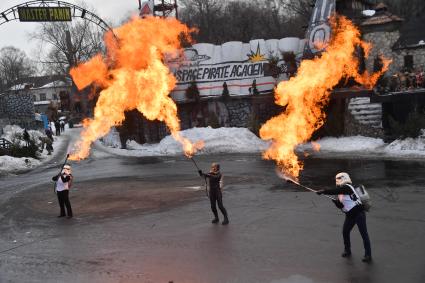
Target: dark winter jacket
{"points": [[214, 180], [346, 190], [343, 190]]}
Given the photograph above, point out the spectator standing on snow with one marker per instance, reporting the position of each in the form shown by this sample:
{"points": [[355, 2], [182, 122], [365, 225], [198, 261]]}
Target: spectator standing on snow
{"points": [[63, 184], [49, 133], [26, 137], [216, 192], [354, 213], [48, 142], [62, 125], [57, 128]]}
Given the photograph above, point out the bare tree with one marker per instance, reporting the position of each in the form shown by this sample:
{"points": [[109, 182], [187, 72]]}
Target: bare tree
{"points": [[297, 8], [221, 21], [70, 44], [203, 14], [14, 65]]}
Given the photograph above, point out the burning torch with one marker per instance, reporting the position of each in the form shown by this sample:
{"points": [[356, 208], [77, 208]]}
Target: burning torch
{"points": [[288, 179]]}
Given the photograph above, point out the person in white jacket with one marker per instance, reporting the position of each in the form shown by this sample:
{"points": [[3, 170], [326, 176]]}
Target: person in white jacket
{"points": [[63, 184], [354, 213]]}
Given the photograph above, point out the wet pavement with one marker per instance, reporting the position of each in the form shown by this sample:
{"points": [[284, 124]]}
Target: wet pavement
{"points": [[148, 220]]}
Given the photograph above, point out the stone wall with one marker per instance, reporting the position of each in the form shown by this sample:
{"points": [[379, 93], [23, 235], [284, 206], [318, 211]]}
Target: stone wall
{"points": [[239, 112], [18, 109], [418, 57], [382, 43], [235, 111]]}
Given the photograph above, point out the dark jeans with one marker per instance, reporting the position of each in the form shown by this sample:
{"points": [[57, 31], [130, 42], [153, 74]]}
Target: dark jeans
{"points": [[353, 217], [216, 197], [63, 198]]}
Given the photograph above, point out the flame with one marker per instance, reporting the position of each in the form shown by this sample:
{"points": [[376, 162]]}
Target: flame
{"points": [[306, 94], [133, 76]]}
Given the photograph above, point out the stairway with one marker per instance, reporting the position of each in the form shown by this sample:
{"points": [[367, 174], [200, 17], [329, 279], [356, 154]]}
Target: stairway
{"points": [[366, 113]]}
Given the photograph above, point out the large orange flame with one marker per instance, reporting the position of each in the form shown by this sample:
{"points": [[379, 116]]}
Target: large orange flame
{"points": [[133, 76], [306, 94]]}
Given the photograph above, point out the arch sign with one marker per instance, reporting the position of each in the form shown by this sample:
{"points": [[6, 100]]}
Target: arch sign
{"points": [[44, 14], [50, 11]]}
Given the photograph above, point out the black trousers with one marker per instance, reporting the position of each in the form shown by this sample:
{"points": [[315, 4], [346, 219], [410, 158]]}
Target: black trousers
{"points": [[356, 216], [63, 198], [216, 198]]}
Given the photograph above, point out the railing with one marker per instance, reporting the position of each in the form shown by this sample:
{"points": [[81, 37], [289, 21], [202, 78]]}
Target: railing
{"points": [[5, 144]]}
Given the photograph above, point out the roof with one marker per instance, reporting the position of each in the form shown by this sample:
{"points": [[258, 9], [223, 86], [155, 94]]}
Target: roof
{"points": [[56, 84], [382, 16], [40, 81], [412, 34]]}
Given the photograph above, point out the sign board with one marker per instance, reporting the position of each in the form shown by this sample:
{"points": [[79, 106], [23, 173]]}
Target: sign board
{"points": [[319, 31], [239, 65], [44, 14]]}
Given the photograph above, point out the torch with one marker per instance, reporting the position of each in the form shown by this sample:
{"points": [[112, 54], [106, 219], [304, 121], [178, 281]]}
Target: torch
{"points": [[197, 167], [291, 180]]}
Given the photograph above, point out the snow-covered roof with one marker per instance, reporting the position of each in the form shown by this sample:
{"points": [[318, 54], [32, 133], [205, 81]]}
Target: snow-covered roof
{"points": [[18, 87], [55, 84]]}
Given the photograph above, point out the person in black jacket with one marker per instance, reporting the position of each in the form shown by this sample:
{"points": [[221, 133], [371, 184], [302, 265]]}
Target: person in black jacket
{"points": [[215, 192], [63, 184], [354, 213]]}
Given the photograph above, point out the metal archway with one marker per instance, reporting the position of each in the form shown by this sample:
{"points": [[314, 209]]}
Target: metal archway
{"points": [[11, 14]]}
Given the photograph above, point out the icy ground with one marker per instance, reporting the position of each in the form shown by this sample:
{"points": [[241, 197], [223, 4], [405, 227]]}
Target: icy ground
{"points": [[9, 164], [241, 140]]}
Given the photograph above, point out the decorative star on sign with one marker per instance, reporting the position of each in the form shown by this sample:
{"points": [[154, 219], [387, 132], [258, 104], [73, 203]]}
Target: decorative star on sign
{"points": [[257, 56]]}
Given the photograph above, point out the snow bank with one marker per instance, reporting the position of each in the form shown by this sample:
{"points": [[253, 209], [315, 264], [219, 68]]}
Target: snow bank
{"points": [[13, 164], [359, 145], [241, 140], [407, 147], [221, 140], [9, 163], [346, 144], [10, 132]]}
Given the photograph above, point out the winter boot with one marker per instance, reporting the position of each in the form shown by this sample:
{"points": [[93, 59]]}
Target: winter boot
{"points": [[346, 254], [367, 259], [215, 221], [225, 221]]}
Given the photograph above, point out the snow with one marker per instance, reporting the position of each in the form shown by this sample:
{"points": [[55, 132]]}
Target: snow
{"points": [[10, 164], [54, 84], [368, 13], [408, 147], [241, 140], [371, 147], [345, 144], [221, 140]]}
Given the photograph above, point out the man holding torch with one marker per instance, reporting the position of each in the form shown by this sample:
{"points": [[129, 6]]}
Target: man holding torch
{"points": [[63, 184], [215, 193], [354, 213]]}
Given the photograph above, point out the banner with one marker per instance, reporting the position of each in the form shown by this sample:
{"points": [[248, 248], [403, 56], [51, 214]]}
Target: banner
{"points": [[242, 66]]}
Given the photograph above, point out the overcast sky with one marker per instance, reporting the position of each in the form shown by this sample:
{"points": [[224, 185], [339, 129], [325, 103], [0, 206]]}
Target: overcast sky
{"points": [[16, 33]]}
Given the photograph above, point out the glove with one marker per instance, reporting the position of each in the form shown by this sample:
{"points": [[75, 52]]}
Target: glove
{"points": [[337, 203], [200, 172], [319, 192]]}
